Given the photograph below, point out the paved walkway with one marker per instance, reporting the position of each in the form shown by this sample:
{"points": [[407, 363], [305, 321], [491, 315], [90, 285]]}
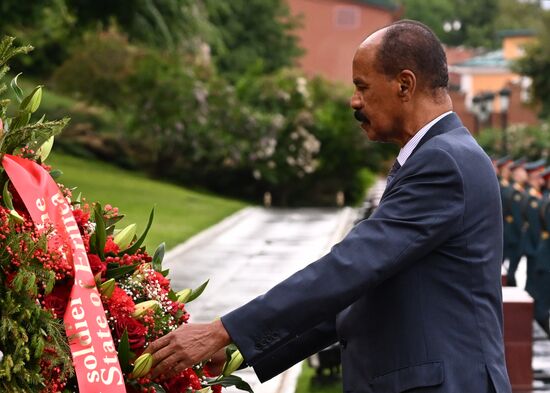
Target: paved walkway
{"points": [[247, 254]]}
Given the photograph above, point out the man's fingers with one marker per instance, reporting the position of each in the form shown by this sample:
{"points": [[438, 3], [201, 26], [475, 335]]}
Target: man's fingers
{"points": [[162, 354], [178, 368], [158, 344], [168, 364]]}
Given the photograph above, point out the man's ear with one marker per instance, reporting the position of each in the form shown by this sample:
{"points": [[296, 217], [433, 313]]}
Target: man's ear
{"points": [[407, 84]]}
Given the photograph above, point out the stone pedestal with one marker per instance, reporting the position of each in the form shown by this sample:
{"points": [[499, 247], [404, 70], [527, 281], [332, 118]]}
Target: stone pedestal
{"points": [[518, 336]]}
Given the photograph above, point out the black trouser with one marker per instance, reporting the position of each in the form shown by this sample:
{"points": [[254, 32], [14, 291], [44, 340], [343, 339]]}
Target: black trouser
{"points": [[515, 253]]}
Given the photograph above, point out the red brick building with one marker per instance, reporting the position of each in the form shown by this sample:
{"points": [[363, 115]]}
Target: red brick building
{"points": [[332, 30]]}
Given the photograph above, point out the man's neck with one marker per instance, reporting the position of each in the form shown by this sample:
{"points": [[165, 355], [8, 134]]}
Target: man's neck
{"points": [[423, 113]]}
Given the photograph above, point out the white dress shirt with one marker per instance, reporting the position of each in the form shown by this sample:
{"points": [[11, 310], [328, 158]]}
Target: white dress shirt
{"points": [[406, 150]]}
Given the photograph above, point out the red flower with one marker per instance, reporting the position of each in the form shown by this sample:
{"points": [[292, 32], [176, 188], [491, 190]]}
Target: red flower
{"points": [[120, 305], [57, 300], [163, 281], [96, 264], [136, 333], [111, 247], [81, 217], [186, 379], [217, 389]]}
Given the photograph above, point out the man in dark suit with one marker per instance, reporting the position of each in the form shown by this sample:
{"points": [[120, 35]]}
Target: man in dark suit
{"points": [[413, 293]]}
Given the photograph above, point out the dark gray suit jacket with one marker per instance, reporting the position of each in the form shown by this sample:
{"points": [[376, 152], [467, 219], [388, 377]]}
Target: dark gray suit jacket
{"points": [[413, 293]]}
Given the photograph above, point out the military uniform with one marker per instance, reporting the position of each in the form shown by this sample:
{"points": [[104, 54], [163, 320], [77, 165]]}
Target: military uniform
{"points": [[506, 191], [542, 263], [531, 205], [505, 196], [516, 230]]}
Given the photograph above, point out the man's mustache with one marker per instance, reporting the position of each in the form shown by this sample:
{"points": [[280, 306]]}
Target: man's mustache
{"points": [[360, 117]]}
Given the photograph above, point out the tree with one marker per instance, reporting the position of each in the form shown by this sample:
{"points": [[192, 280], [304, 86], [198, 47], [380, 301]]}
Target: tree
{"points": [[174, 25], [48, 25], [476, 22], [253, 31], [433, 13], [514, 14], [536, 63]]}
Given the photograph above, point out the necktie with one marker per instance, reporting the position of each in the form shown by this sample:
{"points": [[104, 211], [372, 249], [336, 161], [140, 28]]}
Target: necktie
{"points": [[392, 172]]}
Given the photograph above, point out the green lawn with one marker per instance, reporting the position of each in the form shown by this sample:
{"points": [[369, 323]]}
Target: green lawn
{"points": [[308, 385], [179, 212]]}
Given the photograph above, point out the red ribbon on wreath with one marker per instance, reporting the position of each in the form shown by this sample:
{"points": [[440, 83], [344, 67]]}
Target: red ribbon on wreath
{"points": [[94, 352]]}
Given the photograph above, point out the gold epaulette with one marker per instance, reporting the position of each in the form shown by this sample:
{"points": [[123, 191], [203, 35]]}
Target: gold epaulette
{"points": [[509, 219], [535, 193], [519, 188], [544, 235]]}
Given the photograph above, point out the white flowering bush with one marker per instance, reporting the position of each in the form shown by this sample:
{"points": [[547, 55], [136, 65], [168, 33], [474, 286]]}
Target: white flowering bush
{"points": [[522, 140]]}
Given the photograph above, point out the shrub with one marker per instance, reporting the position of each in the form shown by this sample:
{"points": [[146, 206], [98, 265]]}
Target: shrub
{"points": [[531, 142], [98, 69], [279, 133]]}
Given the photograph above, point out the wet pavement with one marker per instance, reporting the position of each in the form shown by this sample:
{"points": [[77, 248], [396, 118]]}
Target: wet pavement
{"points": [[246, 255]]}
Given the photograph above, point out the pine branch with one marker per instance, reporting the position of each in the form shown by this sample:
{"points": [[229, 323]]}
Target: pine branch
{"points": [[39, 132]]}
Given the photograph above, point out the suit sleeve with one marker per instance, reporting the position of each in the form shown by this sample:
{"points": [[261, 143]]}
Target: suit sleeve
{"points": [[422, 209], [296, 350]]}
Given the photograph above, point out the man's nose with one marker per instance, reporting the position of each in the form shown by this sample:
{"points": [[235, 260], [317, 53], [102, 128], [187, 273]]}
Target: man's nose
{"points": [[355, 101]]}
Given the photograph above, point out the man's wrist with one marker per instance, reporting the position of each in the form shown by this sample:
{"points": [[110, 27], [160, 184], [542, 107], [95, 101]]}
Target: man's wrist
{"points": [[221, 335]]}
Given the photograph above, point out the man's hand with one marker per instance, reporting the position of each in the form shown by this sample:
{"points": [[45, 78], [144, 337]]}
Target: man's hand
{"points": [[216, 363], [186, 346]]}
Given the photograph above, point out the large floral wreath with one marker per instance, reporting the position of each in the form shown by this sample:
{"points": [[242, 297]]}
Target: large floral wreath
{"points": [[38, 276]]}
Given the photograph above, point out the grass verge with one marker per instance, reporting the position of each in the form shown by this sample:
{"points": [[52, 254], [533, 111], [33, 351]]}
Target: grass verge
{"points": [[307, 384], [179, 212]]}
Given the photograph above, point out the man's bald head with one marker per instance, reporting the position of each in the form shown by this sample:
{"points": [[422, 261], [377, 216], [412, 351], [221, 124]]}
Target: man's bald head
{"points": [[411, 45]]}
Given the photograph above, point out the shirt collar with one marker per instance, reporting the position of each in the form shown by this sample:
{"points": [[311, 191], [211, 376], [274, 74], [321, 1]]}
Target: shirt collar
{"points": [[406, 150]]}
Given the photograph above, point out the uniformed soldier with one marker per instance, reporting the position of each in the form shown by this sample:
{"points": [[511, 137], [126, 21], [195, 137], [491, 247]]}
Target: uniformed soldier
{"points": [[494, 161], [503, 171], [516, 230], [542, 259], [545, 175], [531, 203], [504, 165]]}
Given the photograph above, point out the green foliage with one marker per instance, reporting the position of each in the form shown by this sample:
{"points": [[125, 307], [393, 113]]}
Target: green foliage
{"points": [[277, 132], [345, 151], [535, 65], [98, 69], [313, 148], [188, 121], [253, 32], [432, 13], [29, 335], [48, 24], [531, 142], [286, 149], [174, 25], [480, 20], [238, 33], [513, 14], [240, 125], [18, 131], [182, 214], [307, 383]]}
